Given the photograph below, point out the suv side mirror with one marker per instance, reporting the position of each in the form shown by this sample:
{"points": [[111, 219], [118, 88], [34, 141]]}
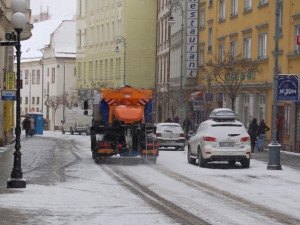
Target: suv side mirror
{"points": [[191, 134]]}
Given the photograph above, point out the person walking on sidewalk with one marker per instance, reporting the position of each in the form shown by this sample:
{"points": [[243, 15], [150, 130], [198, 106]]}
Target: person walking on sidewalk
{"points": [[26, 125], [262, 129], [252, 131]]}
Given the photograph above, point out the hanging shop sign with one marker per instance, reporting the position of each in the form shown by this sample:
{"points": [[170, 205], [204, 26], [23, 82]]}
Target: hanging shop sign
{"points": [[192, 38], [287, 87]]}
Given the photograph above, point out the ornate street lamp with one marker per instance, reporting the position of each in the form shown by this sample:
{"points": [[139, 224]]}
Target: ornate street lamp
{"points": [[18, 21], [118, 40], [174, 6]]}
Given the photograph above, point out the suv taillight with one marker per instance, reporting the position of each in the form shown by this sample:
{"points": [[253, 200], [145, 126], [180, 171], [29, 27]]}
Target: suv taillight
{"points": [[181, 135], [158, 134], [208, 138], [245, 139]]}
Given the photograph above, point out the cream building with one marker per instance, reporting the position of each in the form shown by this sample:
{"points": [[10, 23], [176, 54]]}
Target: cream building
{"points": [[7, 108], [99, 22]]}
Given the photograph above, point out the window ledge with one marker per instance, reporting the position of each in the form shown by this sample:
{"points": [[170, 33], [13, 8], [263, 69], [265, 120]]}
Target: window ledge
{"points": [[233, 16], [221, 21], [247, 11], [262, 60], [263, 5], [295, 54]]}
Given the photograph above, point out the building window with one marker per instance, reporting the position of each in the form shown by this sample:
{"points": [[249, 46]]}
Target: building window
{"points": [[38, 77], [210, 39], [297, 32], [287, 119], [201, 57], [248, 5], [221, 53], [26, 76], [37, 100], [280, 16], [261, 2], [33, 100], [233, 48], [211, 2], [202, 18], [234, 7], [247, 48], [26, 100], [262, 106], [53, 75], [262, 46], [33, 76], [48, 72], [222, 10]]}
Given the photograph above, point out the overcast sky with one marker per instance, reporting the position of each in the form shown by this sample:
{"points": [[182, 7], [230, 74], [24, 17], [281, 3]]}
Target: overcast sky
{"points": [[57, 8]]}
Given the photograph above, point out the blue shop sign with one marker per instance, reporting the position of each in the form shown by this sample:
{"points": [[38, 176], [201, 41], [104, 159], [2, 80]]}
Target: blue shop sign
{"points": [[287, 87]]}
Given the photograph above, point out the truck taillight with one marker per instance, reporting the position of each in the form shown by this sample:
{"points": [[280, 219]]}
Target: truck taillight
{"points": [[182, 135], [209, 138], [158, 134], [120, 145], [103, 144], [245, 139], [152, 145]]}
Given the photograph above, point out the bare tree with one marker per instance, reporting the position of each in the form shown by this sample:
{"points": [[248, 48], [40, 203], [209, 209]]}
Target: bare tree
{"points": [[230, 73], [71, 99], [55, 103]]}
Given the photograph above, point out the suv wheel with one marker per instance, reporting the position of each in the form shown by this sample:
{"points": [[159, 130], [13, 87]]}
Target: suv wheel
{"points": [[245, 163], [201, 160], [190, 160]]}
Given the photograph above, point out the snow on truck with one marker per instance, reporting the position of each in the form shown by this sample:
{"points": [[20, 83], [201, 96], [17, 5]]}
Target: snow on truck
{"points": [[122, 125]]}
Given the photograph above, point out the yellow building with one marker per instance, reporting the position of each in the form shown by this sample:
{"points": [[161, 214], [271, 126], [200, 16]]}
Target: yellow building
{"points": [[103, 26], [248, 28]]}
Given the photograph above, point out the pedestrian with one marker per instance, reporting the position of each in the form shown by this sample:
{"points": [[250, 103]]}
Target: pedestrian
{"points": [[176, 119], [32, 126], [261, 134], [168, 120], [252, 131], [26, 125], [187, 126]]}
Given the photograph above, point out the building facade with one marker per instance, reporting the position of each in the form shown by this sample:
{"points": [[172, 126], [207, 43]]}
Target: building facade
{"points": [[48, 68], [7, 108], [238, 27], [129, 25]]}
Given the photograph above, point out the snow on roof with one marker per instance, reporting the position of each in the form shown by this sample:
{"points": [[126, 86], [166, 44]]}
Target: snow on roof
{"points": [[31, 48]]}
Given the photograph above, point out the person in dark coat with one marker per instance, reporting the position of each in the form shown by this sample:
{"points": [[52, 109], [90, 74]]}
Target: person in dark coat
{"points": [[252, 131], [26, 125], [187, 126], [261, 133]]}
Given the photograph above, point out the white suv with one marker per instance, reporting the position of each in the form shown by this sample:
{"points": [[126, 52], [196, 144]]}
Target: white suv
{"points": [[220, 138]]}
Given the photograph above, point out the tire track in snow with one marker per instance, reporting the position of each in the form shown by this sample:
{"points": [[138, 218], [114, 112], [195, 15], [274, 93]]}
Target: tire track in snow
{"points": [[213, 191], [162, 205]]}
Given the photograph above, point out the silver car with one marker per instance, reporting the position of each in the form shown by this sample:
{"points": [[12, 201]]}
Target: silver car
{"points": [[170, 135]]}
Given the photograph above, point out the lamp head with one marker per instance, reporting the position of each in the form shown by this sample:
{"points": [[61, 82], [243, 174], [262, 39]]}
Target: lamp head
{"points": [[117, 49], [18, 20], [18, 6], [171, 20]]}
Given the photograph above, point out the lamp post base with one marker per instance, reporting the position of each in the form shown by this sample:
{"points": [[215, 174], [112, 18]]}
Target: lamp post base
{"points": [[16, 183], [274, 156]]}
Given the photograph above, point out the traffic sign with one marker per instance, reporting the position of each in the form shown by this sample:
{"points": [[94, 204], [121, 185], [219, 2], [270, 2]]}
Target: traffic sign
{"points": [[8, 95]]}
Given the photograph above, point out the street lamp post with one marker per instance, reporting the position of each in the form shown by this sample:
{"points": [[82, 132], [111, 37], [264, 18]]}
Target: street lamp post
{"points": [[174, 5], [64, 91], [18, 21], [119, 39], [274, 146]]}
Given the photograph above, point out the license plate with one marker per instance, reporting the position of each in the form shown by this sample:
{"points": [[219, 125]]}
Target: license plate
{"points": [[226, 144]]}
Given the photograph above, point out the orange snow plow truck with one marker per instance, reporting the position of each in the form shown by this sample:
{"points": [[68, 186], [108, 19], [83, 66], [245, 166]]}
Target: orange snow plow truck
{"points": [[122, 125]]}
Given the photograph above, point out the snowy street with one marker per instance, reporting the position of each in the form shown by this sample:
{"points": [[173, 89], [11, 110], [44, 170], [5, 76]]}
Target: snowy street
{"points": [[66, 186]]}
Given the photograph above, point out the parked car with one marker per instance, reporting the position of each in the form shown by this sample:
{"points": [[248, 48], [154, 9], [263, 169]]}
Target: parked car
{"points": [[76, 122], [220, 138], [170, 135]]}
